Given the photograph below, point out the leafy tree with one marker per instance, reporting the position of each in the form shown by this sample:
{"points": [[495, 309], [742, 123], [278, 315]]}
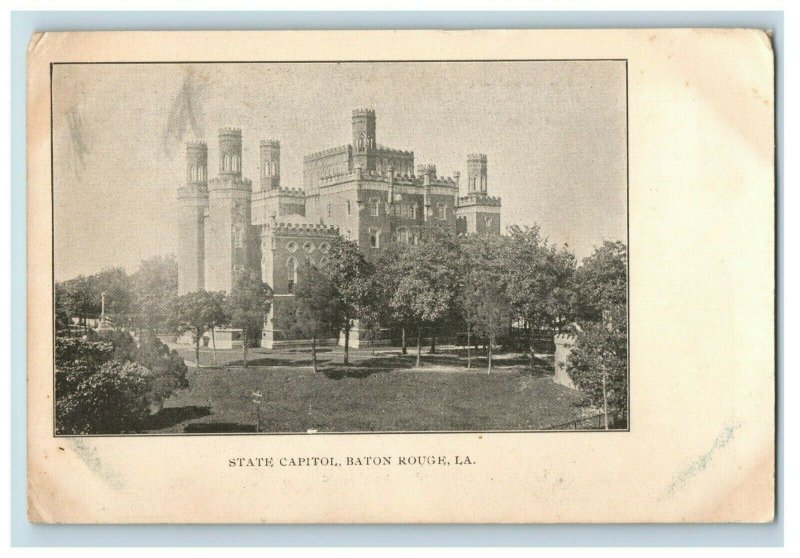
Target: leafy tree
{"points": [[196, 313], [96, 394], [385, 280], [489, 312], [349, 274], [601, 281], [155, 285], [247, 305], [315, 309], [427, 291], [598, 364], [118, 289], [168, 369], [539, 280], [79, 297], [483, 296]]}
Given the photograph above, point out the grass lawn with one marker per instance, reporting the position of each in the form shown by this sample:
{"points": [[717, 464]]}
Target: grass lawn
{"points": [[380, 392]]}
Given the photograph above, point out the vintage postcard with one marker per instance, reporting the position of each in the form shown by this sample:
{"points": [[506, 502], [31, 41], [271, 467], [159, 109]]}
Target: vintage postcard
{"points": [[401, 276]]}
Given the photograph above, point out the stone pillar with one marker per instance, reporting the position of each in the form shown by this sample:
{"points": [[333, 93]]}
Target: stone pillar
{"points": [[564, 343]]}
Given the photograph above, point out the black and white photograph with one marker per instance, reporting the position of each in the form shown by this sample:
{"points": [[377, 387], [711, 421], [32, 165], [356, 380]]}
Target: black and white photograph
{"points": [[340, 247]]}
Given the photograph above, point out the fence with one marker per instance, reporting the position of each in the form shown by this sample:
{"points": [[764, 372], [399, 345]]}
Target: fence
{"points": [[588, 423]]}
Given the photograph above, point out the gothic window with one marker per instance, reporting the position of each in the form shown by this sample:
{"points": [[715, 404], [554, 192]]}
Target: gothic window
{"points": [[414, 211], [403, 235], [374, 204], [309, 246], [292, 246], [291, 274], [201, 174], [442, 211], [488, 222], [226, 163], [375, 238]]}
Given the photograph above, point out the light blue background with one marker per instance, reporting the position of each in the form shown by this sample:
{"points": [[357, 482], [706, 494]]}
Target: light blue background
{"points": [[25, 534]]}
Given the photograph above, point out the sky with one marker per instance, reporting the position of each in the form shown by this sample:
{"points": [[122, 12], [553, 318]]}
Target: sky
{"points": [[554, 133]]}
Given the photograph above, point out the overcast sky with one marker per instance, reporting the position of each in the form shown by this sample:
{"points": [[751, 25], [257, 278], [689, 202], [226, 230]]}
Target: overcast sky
{"points": [[554, 134]]}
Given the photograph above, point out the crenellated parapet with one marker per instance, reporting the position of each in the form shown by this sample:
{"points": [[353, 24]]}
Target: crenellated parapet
{"points": [[382, 150], [397, 179], [301, 229], [488, 201], [230, 182], [341, 150]]}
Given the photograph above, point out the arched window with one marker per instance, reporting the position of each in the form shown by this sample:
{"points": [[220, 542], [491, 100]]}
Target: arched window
{"points": [[291, 274], [226, 162], [403, 235]]}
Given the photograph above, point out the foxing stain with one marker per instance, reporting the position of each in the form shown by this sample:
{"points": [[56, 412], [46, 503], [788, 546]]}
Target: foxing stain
{"points": [[699, 465], [92, 461]]}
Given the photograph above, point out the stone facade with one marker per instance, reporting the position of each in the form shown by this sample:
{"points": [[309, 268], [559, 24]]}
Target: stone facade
{"points": [[362, 191]]}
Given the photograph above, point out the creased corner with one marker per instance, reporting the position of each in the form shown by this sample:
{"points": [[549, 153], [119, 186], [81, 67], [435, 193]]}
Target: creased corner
{"points": [[38, 511], [34, 45]]}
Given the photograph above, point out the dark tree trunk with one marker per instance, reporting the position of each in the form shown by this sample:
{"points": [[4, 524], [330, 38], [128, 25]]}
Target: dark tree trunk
{"points": [[314, 352], [419, 345], [347, 342], [244, 348], [469, 346], [433, 345], [404, 351], [197, 350], [489, 353]]}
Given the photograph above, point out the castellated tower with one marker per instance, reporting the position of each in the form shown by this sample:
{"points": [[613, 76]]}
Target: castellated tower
{"points": [[478, 212], [228, 231], [364, 139], [270, 165], [192, 204], [476, 174]]}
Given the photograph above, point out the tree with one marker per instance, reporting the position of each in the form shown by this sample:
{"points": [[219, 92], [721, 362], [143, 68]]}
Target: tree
{"points": [[489, 312], [80, 298], [602, 280], [155, 285], [539, 279], [196, 313], [315, 310], [118, 289], [247, 305], [598, 364], [168, 370], [96, 394], [384, 282], [483, 297], [427, 290], [349, 273]]}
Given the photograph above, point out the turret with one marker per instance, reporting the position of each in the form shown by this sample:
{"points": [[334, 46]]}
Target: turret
{"points": [[364, 130], [476, 174], [192, 205], [270, 165], [230, 152], [196, 163]]}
